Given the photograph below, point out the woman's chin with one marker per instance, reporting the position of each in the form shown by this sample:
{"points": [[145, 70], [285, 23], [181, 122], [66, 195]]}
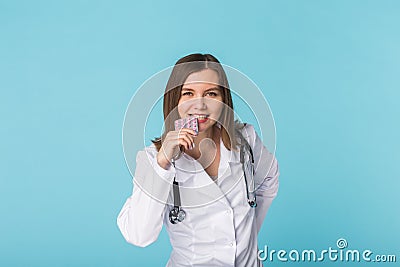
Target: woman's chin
{"points": [[203, 127]]}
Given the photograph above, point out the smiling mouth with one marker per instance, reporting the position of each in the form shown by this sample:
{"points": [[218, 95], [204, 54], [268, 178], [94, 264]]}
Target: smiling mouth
{"points": [[200, 117]]}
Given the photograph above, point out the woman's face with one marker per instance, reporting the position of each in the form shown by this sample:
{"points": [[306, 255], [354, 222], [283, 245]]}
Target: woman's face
{"points": [[201, 97]]}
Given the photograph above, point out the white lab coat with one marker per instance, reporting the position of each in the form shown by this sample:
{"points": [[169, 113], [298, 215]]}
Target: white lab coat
{"points": [[220, 228]]}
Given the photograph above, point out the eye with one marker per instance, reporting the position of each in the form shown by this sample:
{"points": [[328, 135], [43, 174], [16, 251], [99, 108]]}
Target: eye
{"points": [[212, 93], [187, 93]]}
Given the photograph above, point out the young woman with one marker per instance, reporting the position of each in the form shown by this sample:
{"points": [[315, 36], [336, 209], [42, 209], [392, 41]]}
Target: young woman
{"points": [[202, 184]]}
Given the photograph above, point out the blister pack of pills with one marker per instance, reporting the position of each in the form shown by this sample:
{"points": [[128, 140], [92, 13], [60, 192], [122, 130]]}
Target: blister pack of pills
{"points": [[189, 122]]}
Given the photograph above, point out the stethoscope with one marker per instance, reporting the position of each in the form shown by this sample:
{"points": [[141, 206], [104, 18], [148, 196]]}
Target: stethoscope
{"points": [[177, 214]]}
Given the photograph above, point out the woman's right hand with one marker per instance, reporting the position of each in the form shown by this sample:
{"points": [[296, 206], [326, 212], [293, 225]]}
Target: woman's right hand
{"points": [[172, 144]]}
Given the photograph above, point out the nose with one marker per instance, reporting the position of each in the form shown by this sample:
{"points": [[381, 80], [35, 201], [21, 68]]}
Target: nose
{"points": [[199, 103]]}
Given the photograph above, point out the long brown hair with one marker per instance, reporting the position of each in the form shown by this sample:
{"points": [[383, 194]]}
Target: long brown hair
{"points": [[183, 68]]}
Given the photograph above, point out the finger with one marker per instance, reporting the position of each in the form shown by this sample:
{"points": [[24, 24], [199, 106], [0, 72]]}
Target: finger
{"points": [[172, 139], [183, 142], [188, 139], [188, 130], [187, 135]]}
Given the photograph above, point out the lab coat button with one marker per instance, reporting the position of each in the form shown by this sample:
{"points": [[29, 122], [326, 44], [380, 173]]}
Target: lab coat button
{"points": [[231, 244]]}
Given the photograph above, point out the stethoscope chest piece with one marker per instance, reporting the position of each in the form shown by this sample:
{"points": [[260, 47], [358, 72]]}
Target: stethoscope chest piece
{"points": [[252, 203], [176, 215]]}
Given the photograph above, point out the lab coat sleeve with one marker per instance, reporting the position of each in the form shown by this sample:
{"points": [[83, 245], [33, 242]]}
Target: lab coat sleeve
{"points": [[141, 218], [266, 175]]}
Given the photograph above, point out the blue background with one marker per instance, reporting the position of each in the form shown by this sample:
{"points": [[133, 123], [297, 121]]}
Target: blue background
{"points": [[329, 69]]}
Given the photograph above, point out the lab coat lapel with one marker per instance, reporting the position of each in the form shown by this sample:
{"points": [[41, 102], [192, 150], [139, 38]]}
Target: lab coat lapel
{"points": [[185, 170], [228, 177], [196, 186], [231, 169]]}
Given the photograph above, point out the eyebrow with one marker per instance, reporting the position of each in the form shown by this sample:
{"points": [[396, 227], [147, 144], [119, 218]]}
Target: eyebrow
{"points": [[209, 89]]}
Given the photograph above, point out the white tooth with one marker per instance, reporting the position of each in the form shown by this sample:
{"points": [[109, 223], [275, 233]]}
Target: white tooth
{"points": [[200, 116]]}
